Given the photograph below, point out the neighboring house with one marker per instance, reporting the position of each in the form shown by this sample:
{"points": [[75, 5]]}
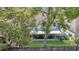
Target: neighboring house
{"points": [[39, 33], [55, 34], [40, 17], [74, 26]]}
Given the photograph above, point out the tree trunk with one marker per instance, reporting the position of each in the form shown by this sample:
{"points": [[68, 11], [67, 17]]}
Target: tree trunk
{"points": [[45, 41], [77, 47], [8, 43]]}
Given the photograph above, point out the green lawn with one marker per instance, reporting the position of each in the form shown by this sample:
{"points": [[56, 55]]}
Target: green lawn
{"points": [[50, 43], [59, 43]]}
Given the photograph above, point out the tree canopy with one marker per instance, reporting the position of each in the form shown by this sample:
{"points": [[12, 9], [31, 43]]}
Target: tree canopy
{"points": [[17, 22]]}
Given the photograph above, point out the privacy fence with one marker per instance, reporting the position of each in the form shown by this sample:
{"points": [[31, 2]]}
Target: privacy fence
{"points": [[53, 48]]}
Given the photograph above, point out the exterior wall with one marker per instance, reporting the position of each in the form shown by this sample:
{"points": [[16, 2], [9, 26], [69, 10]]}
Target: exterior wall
{"points": [[77, 24], [77, 27], [74, 26]]}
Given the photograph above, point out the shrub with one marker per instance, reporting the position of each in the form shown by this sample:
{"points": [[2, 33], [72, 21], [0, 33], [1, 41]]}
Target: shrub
{"points": [[2, 47]]}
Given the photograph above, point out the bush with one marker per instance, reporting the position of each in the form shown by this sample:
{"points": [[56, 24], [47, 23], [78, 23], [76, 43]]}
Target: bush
{"points": [[2, 47]]}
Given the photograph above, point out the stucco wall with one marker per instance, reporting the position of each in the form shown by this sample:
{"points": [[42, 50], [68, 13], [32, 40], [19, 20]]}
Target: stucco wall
{"points": [[74, 26]]}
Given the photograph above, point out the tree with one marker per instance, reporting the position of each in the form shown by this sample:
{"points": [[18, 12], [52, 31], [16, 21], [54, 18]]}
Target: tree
{"points": [[71, 13], [76, 41], [54, 15], [22, 23], [26, 22], [46, 24]]}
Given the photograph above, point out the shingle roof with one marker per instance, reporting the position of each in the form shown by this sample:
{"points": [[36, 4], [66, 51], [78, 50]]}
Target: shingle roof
{"points": [[40, 17]]}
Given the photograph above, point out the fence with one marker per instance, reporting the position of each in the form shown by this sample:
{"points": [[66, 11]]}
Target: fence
{"points": [[54, 48]]}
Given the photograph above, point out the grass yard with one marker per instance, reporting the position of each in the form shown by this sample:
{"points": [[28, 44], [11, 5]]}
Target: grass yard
{"points": [[50, 43], [36, 44], [59, 43]]}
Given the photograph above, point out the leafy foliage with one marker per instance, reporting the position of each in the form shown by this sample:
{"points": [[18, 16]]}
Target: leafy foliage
{"points": [[76, 40], [72, 12], [2, 47], [22, 22]]}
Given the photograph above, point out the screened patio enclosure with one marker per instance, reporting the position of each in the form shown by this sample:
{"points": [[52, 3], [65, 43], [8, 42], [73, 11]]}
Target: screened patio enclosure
{"points": [[55, 34]]}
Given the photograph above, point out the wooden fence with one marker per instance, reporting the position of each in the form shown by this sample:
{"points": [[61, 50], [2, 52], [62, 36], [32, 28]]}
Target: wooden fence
{"points": [[53, 48]]}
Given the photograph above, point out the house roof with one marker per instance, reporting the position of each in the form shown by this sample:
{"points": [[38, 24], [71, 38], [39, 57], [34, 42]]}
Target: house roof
{"points": [[40, 17], [39, 30]]}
